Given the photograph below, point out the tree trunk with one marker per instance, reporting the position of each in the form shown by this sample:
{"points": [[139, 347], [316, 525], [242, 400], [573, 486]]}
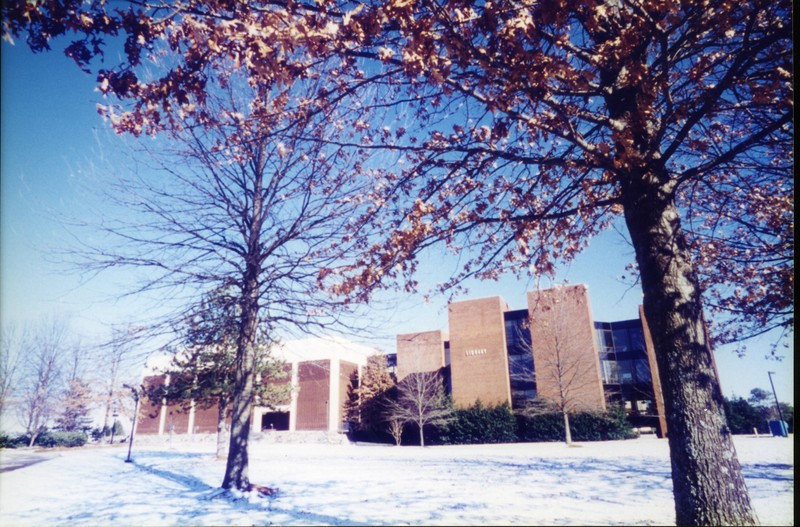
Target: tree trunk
{"points": [[707, 480], [567, 433], [421, 436], [397, 432], [221, 436], [236, 471]]}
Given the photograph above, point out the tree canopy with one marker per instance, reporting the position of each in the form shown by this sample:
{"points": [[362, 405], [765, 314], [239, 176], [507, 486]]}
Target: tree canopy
{"points": [[508, 100]]}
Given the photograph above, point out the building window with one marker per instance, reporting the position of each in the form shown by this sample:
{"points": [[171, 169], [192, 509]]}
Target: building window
{"points": [[610, 371], [625, 368], [520, 358]]}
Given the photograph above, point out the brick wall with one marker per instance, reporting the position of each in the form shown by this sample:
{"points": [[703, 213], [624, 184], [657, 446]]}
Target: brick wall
{"points": [[313, 379], [478, 357], [419, 352], [565, 349], [149, 413], [655, 377], [205, 419]]}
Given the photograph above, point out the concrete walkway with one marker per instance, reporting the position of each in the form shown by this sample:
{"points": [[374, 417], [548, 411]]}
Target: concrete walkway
{"points": [[15, 459]]}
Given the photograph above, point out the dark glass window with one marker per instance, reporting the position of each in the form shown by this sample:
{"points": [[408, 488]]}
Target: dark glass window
{"points": [[520, 357], [610, 371], [391, 360], [636, 336], [621, 340], [623, 361], [605, 342]]}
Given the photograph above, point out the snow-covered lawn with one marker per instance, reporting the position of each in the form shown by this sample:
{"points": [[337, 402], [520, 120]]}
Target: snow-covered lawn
{"points": [[604, 483]]}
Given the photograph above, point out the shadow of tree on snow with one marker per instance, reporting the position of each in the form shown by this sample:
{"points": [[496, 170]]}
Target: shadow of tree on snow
{"points": [[206, 493]]}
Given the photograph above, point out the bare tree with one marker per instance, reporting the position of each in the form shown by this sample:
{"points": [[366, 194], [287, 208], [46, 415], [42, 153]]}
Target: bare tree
{"points": [[42, 381], [395, 426], [249, 205], [203, 371], [77, 397], [420, 400], [567, 367], [115, 355], [10, 359]]}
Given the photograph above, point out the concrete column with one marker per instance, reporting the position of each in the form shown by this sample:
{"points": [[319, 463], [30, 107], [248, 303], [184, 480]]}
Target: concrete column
{"points": [[293, 404], [333, 396], [162, 418], [190, 426]]}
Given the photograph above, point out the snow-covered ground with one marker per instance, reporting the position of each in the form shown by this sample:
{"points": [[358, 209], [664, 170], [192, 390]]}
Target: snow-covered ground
{"points": [[603, 483]]}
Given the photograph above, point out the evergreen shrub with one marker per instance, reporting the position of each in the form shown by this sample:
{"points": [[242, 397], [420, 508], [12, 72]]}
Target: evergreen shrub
{"points": [[742, 417], [8, 441], [369, 436], [14, 441], [99, 433], [50, 439], [602, 426], [541, 427], [585, 426], [478, 424]]}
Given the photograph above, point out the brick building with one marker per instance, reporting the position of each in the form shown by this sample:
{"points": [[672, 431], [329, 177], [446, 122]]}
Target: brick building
{"points": [[495, 354], [320, 371]]}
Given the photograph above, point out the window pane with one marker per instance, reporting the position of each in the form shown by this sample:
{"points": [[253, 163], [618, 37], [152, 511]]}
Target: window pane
{"points": [[621, 341]]}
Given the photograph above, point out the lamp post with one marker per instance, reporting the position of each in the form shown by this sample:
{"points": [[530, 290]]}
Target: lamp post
{"points": [[777, 404], [113, 426], [135, 395]]}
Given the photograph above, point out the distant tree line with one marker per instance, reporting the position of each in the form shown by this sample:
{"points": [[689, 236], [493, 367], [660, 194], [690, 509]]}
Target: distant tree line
{"points": [[754, 413], [48, 386]]}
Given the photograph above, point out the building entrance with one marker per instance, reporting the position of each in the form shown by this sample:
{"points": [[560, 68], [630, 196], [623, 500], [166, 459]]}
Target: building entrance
{"points": [[275, 421]]}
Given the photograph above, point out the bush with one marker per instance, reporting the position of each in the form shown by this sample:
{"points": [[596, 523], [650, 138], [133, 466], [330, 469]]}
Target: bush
{"points": [[98, 433], [50, 439], [742, 417], [369, 436], [15, 441], [478, 424], [585, 426], [606, 426], [541, 427]]}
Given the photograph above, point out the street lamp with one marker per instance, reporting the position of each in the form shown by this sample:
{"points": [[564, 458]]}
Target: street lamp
{"points": [[113, 426], [777, 404], [135, 395]]}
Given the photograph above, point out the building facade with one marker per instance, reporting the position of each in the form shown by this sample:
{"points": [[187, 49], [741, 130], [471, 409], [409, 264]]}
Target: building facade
{"points": [[552, 351], [319, 370]]}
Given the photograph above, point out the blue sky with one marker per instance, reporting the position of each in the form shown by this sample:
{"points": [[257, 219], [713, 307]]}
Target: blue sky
{"points": [[51, 137]]}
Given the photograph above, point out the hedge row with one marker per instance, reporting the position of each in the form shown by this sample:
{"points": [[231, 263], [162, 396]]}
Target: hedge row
{"points": [[47, 439], [586, 426], [479, 424]]}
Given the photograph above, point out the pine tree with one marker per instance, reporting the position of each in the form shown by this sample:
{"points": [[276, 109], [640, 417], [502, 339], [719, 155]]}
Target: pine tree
{"points": [[365, 403], [75, 409], [203, 373]]}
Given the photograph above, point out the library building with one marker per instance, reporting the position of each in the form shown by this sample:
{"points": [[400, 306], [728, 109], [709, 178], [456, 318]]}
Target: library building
{"points": [[553, 350], [550, 351]]}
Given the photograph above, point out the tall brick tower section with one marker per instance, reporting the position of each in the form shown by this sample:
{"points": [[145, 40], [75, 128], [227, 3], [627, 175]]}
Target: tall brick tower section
{"points": [[478, 357], [565, 349], [420, 352]]}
